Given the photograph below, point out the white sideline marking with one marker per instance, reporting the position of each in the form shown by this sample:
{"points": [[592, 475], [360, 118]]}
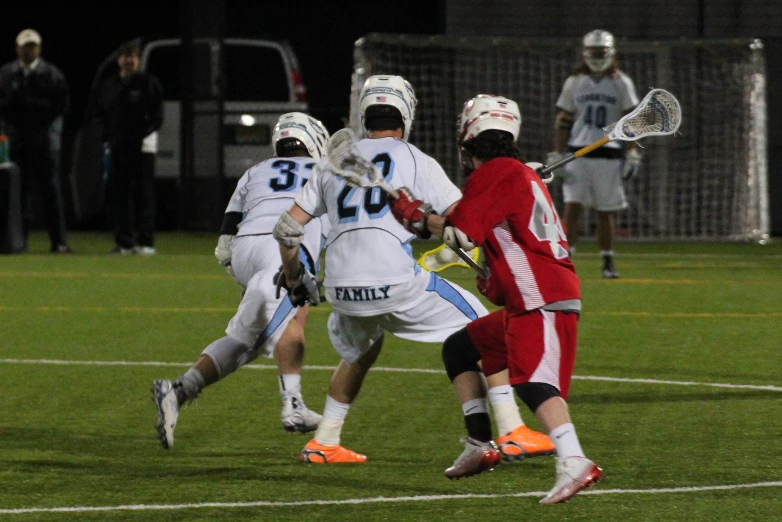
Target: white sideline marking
{"points": [[375, 500], [390, 369]]}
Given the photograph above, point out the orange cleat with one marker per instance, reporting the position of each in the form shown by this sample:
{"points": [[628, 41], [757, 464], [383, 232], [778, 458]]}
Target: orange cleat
{"points": [[316, 453], [523, 443]]}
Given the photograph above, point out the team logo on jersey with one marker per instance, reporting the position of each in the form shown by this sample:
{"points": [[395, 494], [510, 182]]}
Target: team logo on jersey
{"points": [[361, 294]]}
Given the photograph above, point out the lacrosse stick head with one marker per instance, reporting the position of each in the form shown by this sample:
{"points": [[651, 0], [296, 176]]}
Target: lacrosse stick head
{"points": [[658, 114], [345, 162]]}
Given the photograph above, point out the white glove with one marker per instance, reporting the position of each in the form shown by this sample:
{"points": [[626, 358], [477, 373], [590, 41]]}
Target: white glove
{"points": [[223, 253], [553, 157], [631, 163], [546, 178]]}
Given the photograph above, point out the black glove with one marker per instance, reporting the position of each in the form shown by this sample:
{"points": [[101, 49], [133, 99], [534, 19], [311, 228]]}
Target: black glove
{"points": [[304, 290]]}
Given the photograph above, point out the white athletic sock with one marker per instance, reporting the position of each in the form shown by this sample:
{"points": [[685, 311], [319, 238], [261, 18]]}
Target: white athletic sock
{"points": [[571, 251], [506, 412], [566, 441], [330, 426], [290, 384], [475, 406], [609, 253]]}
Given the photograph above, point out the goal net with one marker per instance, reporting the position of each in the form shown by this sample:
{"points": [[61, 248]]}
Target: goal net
{"points": [[708, 182]]}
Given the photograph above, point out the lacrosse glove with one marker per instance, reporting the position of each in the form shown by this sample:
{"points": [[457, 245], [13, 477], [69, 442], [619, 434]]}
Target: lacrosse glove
{"points": [[631, 164], [411, 213], [553, 157], [304, 290], [489, 290], [223, 253]]}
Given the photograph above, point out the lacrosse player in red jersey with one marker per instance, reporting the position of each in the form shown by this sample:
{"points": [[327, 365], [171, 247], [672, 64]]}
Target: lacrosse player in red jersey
{"points": [[372, 281], [507, 210], [594, 96]]}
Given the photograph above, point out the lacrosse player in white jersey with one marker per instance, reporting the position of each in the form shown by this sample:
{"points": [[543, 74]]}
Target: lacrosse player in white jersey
{"points": [[266, 323], [372, 281], [594, 96]]}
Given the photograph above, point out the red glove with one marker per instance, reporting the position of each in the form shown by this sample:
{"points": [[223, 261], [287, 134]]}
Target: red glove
{"points": [[489, 291], [411, 212]]}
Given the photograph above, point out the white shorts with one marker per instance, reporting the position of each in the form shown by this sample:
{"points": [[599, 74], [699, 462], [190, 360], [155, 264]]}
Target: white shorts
{"points": [[261, 318], [251, 254], [595, 183], [437, 309]]}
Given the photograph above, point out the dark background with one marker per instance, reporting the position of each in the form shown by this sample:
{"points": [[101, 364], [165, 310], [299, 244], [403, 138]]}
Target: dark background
{"points": [[78, 36]]}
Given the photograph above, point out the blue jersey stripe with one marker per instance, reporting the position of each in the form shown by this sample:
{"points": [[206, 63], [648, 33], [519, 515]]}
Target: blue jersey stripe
{"points": [[279, 316], [450, 294]]}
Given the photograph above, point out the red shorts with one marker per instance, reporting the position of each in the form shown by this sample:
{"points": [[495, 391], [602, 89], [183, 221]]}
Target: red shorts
{"points": [[538, 346]]}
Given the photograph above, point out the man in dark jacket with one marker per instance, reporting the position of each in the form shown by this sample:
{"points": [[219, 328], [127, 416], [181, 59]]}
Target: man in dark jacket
{"points": [[130, 107], [34, 98]]}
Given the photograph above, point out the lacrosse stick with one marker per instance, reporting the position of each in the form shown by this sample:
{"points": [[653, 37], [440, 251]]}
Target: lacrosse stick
{"points": [[658, 114], [442, 257], [343, 161]]}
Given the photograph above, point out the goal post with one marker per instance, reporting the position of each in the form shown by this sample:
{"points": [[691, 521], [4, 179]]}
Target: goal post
{"points": [[709, 182]]}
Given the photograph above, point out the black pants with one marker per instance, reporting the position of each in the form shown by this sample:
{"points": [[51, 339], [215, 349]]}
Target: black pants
{"points": [[38, 160], [132, 197]]}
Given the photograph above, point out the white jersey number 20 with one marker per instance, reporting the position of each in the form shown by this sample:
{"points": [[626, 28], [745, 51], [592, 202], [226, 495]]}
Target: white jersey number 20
{"points": [[544, 223]]}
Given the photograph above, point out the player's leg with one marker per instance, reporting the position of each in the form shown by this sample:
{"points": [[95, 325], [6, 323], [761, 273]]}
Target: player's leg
{"points": [[444, 308], [572, 217], [358, 341], [605, 240], [461, 357], [220, 358], [609, 197], [541, 354], [255, 329], [515, 440], [575, 193], [289, 354]]}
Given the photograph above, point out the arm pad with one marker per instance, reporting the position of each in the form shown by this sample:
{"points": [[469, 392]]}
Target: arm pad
{"points": [[288, 232]]}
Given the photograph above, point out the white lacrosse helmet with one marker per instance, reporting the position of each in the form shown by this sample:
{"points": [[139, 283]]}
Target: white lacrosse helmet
{"points": [[598, 50], [306, 129], [485, 112], [389, 90]]}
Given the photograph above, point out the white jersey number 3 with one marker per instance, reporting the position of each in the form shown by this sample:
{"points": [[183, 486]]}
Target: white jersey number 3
{"points": [[544, 223]]}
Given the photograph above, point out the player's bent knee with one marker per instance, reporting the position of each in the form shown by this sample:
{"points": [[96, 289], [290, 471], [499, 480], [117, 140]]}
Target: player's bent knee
{"points": [[533, 394], [228, 355], [460, 354]]}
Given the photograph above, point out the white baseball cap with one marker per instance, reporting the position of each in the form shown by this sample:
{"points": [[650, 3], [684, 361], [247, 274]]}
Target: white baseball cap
{"points": [[28, 36]]}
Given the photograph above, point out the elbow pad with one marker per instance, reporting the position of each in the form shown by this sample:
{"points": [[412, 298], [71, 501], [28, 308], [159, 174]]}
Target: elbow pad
{"points": [[455, 238], [288, 232]]}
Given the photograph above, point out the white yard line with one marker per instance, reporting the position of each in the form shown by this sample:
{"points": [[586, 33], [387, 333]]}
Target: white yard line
{"points": [[376, 500], [391, 369]]}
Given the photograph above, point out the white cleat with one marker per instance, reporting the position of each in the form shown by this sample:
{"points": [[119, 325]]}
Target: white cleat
{"points": [[297, 417], [477, 457], [144, 250], [164, 395], [573, 475]]}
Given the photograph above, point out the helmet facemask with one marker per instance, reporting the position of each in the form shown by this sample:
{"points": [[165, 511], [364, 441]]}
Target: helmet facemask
{"points": [[598, 50]]}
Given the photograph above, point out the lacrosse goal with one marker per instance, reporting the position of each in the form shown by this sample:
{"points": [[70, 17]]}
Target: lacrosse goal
{"points": [[709, 182]]}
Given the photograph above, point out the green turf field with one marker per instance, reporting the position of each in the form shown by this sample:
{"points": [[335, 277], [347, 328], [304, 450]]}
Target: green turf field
{"points": [[677, 395]]}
